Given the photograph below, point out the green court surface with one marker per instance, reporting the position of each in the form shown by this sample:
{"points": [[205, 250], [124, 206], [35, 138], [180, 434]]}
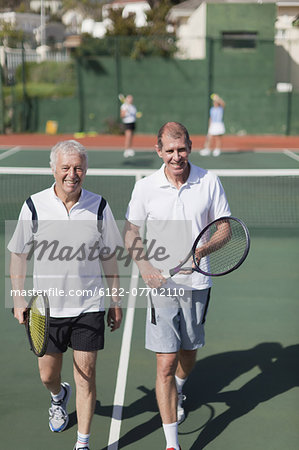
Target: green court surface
{"points": [[243, 393], [149, 159]]}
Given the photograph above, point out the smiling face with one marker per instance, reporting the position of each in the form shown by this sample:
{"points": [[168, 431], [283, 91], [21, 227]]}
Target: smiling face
{"points": [[175, 153], [69, 175]]}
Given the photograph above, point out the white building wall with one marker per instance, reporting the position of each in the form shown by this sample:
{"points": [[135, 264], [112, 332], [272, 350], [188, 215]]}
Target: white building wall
{"points": [[191, 35], [287, 42]]}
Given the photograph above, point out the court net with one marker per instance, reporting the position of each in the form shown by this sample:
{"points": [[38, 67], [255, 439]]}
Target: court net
{"points": [[262, 198]]}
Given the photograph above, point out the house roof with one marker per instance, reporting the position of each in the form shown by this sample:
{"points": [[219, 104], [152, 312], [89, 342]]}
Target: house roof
{"points": [[184, 9], [190, 5], [124, 2]]}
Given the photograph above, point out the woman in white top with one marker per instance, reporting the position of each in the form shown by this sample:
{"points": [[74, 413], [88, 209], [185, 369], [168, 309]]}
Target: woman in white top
{"points": [[128, 114]]}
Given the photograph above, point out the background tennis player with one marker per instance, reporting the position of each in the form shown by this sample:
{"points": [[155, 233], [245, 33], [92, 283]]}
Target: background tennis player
{"points": [[216, 127]]}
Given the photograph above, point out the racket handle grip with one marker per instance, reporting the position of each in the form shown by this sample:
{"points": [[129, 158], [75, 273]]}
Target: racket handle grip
{"points": [[25, 313], [174, 271], [179, 269]]}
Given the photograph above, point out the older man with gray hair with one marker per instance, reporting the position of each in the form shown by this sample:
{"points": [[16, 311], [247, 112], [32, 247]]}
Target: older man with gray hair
{"points": [[76, 220]]}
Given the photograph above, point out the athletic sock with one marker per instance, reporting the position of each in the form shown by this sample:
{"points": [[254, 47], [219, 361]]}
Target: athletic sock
{"points": [[59, 396], [171, 435], [179, 384], [82, 440]]}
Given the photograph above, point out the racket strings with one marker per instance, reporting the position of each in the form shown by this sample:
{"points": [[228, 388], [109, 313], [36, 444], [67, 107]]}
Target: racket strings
{"points": [[221, 248], [37, 328]]}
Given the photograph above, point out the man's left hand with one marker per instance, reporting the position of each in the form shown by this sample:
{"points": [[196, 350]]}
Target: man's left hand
{"points": [[114, 318]]}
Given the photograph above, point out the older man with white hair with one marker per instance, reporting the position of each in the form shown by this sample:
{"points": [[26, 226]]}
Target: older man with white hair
{"points": [[77, 221]]}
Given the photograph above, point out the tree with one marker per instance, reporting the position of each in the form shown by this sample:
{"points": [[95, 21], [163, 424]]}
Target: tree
{"points": [[124, 38], [88, 8], [296, 22], [156, 18], [9, 35], [121, 26], [15, 5], [152, 39]]}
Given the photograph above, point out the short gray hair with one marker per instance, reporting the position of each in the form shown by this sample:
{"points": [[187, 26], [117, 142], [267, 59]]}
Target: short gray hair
{"points": [[175, 130], [67, 147]]}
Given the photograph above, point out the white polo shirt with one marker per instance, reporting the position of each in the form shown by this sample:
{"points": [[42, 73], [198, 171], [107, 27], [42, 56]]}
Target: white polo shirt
{"points": [[174, 217], [65, 250]]}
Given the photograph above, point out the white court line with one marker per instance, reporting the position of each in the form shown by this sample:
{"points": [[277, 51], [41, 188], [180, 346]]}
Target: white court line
{"points": [[9, 152], [291, 154], [122, 373]]}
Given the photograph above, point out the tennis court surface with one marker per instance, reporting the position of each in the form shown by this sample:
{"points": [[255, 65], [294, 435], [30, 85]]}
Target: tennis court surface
{"points": [[243, 393]]}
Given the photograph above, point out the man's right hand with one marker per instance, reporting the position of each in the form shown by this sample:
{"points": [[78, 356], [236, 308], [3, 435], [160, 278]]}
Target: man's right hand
{"points": [[152, 277], [20, 314]]}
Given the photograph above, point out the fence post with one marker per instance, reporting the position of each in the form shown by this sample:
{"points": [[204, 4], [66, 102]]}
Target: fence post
{"points": [[1, 103], [289, 112], [24, 118], [289, 93], [80, 97], [13, 108], [210, 87], [118, 74]]}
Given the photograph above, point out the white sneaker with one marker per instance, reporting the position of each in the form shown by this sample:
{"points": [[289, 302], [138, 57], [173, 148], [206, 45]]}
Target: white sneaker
{"points": [[129, 152], [180, 409], [217, 152], [205, 152], [58, 416]]}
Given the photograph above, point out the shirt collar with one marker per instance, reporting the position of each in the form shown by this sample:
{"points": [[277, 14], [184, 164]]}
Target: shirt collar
{"points": [[82, 195], [164, 182]]}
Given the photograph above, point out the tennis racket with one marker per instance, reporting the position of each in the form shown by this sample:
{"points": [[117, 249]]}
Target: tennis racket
{"points": [[220, 248], [121, 98], [37, 317]]}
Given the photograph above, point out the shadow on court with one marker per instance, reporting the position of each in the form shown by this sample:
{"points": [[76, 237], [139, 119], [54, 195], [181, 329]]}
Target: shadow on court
{"points": [[139, 163], [279, 373], [100, 410]]}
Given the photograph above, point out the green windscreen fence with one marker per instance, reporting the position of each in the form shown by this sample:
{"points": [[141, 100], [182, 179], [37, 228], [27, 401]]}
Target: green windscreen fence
{"points": [[86, 88]]}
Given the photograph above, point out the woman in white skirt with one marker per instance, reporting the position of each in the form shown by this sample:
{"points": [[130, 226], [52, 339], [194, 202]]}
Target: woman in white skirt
{"points": [[216, 127]]}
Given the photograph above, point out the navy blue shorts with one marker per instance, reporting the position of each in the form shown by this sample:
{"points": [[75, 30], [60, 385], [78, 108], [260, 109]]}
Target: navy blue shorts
{"points": [[84, 333], [130, 126]]}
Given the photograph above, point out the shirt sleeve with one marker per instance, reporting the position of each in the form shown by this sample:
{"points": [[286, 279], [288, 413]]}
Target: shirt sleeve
{"points": [[111, 237], [219, 204], [22, 236], [136, 211]]}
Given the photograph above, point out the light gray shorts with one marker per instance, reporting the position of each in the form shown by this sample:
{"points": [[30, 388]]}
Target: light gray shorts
{"points": [[176, 322]]}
